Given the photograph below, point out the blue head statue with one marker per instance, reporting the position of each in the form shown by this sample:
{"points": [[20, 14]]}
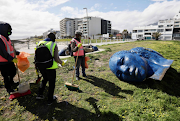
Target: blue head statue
{"points": [[138, 64]]}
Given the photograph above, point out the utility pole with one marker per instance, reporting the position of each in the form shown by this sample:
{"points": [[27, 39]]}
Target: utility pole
{"points": [[87, 25]]}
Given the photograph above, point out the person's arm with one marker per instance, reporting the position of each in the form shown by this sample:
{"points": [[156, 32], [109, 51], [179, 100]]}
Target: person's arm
{"points": [[74, 48], [56, 55], [4, 53]]}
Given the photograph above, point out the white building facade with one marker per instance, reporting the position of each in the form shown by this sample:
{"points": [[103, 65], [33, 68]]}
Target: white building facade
{"points": [[68, 26], [89, 26], [169, 29]]}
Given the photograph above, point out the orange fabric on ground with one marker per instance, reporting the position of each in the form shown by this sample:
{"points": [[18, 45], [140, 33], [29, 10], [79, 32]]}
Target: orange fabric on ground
{"points": [[23, 62]]}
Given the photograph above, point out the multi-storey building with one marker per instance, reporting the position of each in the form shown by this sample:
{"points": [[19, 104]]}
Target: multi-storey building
{"points": [[169, 29], [176, 30], [90, 26], [68, 26]]}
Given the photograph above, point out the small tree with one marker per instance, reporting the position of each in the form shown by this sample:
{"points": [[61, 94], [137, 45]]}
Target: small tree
{"points": [[111, 36], [156, 35], [125, 33]]}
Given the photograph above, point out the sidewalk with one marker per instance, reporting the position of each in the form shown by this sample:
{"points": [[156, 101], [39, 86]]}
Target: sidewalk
{"points": [[61, 45]]}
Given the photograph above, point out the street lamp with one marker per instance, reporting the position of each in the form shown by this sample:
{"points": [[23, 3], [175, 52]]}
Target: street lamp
{"points": [[87, 25]]}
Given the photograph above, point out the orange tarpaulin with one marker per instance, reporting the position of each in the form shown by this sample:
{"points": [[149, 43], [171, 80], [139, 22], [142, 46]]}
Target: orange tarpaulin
{"points": [[23, 62]]}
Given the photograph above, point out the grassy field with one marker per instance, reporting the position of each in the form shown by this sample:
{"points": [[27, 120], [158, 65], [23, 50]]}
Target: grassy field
{"points": [[102, 96]]}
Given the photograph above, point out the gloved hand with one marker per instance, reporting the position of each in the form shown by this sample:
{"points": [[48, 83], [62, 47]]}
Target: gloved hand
{"points": [[79, 45], [62, 64], [15, 60]]}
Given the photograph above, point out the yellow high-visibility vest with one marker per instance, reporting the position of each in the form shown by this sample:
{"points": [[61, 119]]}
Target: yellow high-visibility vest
{"points": [[51, 46]]}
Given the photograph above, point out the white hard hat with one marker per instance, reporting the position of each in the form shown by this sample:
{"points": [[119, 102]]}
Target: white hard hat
{"points": [[78, 32]]}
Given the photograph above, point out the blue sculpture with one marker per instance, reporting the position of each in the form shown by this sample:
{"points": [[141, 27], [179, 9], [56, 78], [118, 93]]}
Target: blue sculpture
{"points": [[138, 64]]}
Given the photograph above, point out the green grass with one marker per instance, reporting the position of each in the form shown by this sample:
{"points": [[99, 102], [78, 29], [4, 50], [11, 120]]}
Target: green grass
{"points": [[102, 97]]}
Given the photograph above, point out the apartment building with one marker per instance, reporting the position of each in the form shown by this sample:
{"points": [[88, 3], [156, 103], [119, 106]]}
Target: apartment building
{"points": [[68, 26], [169, 29], [176, 30], [90, 26], [94, 26]]}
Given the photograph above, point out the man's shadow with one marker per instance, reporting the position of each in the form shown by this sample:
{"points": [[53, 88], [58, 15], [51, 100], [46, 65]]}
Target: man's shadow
{"points": [[63, 111], [170, 83], [108, 87]]}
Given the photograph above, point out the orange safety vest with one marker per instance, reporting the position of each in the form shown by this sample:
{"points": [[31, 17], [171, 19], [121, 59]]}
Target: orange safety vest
{"points": [[81, 50], [9, 48]]}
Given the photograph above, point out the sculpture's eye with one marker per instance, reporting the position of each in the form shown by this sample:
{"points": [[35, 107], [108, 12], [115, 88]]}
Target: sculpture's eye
{"points": [[119, 73], [121, 61]]}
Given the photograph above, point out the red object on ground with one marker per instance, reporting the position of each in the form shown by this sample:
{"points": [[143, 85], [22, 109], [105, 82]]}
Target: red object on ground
{"points": [[86, 59], [17, 94]]}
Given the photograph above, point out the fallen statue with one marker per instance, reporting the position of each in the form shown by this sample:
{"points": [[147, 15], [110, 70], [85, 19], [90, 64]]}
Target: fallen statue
{"points": [[138, 64]]}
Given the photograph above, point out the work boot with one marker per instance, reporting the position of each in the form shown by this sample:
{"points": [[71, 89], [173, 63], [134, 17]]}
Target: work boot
{"points": [[51, 102], [10, 91], [84, 75], [77, 78]]}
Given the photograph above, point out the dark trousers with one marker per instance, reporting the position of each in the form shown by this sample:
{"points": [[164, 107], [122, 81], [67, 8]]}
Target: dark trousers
{"points": [[48, 75], [8, 71], [80, 62]]}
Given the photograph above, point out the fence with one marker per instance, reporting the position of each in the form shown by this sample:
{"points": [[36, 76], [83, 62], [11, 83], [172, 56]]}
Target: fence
{"points": [[85, 41]]}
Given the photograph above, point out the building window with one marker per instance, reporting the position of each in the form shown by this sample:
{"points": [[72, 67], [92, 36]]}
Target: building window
{"points": [[160, 26], [176, 25], [153, 30], [147, 33], [160, 30], [169, 25], [168, 30], [176, 35], [134, 31], [140, 30], [177, 22], [167, 38], [140, 36]]}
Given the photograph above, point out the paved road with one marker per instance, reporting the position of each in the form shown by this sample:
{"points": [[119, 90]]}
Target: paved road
{"points": [[61, 45]]}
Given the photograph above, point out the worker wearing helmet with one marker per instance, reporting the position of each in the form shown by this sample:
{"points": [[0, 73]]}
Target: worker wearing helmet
{"points": [[7, 57], [75, 45]]}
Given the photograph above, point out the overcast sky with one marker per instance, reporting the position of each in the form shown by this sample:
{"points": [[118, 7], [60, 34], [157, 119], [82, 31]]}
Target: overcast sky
{"points": [[33, 17]]}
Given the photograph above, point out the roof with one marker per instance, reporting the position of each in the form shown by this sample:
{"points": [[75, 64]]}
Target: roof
{"points": [[119, 34]]}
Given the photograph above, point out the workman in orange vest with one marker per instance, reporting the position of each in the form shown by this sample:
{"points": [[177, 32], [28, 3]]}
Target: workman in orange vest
{"points": [[7, 57], [75, 45]]}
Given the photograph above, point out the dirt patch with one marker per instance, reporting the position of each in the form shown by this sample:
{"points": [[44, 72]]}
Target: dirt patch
{"points": [[98, 63]]}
